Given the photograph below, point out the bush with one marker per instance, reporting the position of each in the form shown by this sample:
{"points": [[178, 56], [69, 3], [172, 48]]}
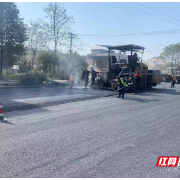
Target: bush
{"points": [[7, 75], [54, 76], [32, 80]]}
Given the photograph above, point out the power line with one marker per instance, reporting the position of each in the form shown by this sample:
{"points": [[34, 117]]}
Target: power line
{"points": [[106, 37], [131, 34], [149, 14], [157, 11], [124, 34], [112, 34]]}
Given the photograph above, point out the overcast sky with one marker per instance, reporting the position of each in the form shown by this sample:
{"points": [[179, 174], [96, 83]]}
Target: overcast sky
{"points": [[117, 18]]}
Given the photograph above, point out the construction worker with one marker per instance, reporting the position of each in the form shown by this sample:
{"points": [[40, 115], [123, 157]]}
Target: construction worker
{"points": [[93, 76], [173, 81], [137, 80], [135, 59], [85, 76], [121, 87], [71, 81]]}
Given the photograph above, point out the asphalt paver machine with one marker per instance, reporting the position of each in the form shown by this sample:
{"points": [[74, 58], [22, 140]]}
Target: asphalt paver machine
{"points": [[126, 68]]}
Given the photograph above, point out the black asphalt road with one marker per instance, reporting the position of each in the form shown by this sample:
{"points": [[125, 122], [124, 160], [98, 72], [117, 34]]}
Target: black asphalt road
{"points": [[100, 137], [19, 97]]}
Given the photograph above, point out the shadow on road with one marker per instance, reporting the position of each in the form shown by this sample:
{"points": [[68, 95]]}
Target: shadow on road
{"points": [[142, 100], [165, 91], [7, 122]]}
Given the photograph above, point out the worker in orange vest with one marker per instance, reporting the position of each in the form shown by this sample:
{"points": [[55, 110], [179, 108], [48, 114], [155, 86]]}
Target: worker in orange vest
{"points": [[71, 81], [173, 81]]}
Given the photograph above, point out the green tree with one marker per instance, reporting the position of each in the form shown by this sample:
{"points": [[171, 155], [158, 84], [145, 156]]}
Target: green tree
{"points": [[171, 54], [14, 55], [59, 27], [37, 39], [62, 66], [25, 67], [12, 29], [47, 63]]}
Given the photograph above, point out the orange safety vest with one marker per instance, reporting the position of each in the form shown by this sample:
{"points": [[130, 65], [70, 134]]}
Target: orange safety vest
{"points": [[174, 78], [71, 78]]}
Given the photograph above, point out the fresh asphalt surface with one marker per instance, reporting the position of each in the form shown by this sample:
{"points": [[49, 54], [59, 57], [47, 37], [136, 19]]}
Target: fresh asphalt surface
{"points": [[100, 137]]}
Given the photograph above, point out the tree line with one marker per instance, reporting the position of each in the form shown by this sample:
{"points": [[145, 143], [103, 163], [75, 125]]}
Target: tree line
{"points": [[171, 55], [36, 46]]}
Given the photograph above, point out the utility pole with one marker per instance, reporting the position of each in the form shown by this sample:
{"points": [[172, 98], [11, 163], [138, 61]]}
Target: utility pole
{"points": [[70, 43], [1, 60], [1, 53], [71, 34], [70, 51], [55, 40]]}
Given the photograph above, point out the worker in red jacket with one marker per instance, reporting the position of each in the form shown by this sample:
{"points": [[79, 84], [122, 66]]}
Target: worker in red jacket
{"points": [[137, 80]]}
